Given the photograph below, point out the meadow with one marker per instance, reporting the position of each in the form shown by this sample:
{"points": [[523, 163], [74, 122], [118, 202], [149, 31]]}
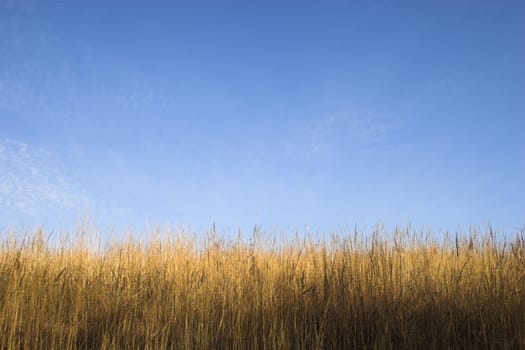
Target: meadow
{"points": [[355, 290]]}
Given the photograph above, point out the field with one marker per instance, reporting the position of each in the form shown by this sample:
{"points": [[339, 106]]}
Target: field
{"points": [[374, 290]]}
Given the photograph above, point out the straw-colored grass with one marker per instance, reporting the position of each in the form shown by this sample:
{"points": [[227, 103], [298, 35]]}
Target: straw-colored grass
{"points": [[397, 291]]}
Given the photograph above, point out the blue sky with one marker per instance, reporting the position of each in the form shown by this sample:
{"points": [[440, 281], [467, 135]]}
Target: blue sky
{"points": [[280, 114]]}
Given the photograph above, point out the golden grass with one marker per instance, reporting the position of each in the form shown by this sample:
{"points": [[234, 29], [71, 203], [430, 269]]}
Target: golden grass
{"points": [[357, 292]]}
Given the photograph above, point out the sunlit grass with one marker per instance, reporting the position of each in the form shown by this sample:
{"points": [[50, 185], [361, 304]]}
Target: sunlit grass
{"points": [[362, 291]]}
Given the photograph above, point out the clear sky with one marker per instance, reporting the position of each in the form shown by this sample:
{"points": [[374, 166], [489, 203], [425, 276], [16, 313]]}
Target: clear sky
{"points": [[275, 113]]}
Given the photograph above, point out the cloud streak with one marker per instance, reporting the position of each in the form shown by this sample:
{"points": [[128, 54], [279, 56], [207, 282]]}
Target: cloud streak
{"points": [[32, 182], [342, 133]]}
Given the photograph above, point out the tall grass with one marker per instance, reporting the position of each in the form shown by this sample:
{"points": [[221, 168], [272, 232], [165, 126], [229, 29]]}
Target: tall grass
{"points": [[376, 291]]}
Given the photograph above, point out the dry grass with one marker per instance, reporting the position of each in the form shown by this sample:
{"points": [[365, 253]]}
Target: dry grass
{"points": [[361, 292]]}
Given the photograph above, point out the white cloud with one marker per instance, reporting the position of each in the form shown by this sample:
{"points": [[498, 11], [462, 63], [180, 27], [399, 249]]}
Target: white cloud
{"points": [[338, 131], [32, 181], [83, 79], [23, 5]]}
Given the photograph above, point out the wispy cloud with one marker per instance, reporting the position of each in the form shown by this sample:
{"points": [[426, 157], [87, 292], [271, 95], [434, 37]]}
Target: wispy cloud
{"points": [[83, 79], [342, 132], [24, 5], [32, 181]]}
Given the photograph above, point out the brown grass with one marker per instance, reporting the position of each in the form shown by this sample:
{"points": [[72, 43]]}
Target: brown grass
{"points": [[398, 291]]}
